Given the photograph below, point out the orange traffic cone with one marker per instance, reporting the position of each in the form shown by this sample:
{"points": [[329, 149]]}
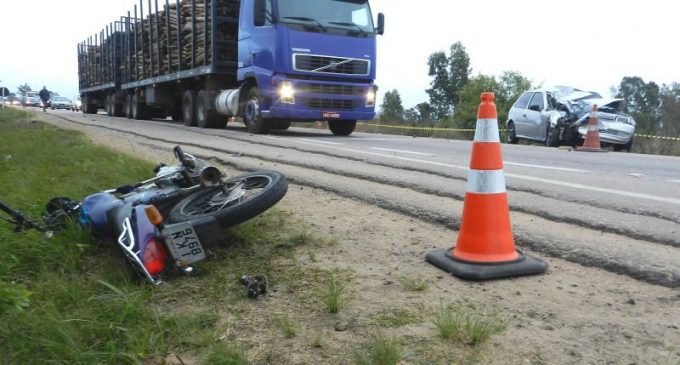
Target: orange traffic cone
{"points": [[592, 142], [485, 248]]}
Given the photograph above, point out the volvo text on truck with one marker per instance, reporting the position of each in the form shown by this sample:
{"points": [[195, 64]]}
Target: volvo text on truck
{"points": [[269, 62]]}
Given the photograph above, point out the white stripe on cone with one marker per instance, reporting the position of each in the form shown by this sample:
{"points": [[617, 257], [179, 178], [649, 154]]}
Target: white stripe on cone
{"points": [[486, 181], [487, 131]]}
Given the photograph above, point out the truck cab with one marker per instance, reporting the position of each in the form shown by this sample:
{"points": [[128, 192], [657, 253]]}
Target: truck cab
{"points": [[307, 60]]}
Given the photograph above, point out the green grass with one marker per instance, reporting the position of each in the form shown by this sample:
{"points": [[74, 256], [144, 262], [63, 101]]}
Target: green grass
{"points": [[71, 299], [466, 324], [396, 317], [413, 284], [334, 294], [379, 351], [286, 325]]}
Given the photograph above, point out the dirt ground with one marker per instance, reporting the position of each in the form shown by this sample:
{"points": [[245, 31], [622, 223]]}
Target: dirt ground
{"points": [[570, 315]]}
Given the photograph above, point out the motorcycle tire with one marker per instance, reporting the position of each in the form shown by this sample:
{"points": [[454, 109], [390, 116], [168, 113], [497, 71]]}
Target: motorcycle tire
{"points": [[261, 190]]}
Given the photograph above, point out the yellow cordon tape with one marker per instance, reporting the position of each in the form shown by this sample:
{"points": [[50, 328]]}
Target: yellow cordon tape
{"points": [[433, 129], [677, 139]]}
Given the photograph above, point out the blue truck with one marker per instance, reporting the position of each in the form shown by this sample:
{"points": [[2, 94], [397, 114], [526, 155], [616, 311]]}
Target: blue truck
{"points": [[269, 62]]}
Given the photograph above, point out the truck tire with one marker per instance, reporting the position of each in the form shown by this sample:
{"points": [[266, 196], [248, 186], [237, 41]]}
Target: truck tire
{"points": [[252, 117], [189, 108], [116, 108], [342, 127], [89, 108], [128, 106], [138, 108], [108, 105], [279, 125], [205, 116]]}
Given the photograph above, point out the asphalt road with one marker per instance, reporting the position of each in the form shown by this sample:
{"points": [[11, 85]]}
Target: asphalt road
{"points": [[616, 211]]}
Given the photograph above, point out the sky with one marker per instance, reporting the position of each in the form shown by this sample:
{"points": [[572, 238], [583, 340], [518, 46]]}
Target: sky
{"points": [[589, 45]]}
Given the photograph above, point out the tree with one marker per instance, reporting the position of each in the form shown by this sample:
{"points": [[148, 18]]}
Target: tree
{"points": [[419, 114], [641, 101], [449, 75], [506, 88], [22, 89], [391, 110], [669, 124]]}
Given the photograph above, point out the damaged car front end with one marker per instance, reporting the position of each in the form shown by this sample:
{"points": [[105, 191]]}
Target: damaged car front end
{"points": [[560, 117]]}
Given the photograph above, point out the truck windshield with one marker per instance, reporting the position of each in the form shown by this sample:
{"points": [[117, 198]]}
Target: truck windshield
{"points": [[322, 15]]}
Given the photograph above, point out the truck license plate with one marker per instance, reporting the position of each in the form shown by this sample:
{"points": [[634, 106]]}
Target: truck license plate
{"points": [[183, 242], [331, 115]]}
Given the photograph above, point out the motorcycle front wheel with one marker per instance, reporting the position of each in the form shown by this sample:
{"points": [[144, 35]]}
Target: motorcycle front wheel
{"points": [[240, 198]]}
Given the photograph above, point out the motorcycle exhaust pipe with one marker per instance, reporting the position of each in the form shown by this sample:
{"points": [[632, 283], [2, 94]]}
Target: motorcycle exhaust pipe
{"points": [[210, 176]]}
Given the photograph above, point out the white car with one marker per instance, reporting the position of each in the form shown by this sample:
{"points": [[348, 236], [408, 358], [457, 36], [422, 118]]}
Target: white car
{"points": [[76, 105], [60, 102]]}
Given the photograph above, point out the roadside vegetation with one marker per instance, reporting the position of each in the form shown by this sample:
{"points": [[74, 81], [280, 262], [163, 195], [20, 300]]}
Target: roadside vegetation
{"points": [[71, 299]]}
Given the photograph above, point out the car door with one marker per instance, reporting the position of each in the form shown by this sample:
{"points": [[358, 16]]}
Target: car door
{"points": [[518, 113], [534, 117]]}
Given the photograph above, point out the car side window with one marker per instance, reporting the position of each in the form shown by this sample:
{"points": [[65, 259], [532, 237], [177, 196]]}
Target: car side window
{"points": [[537, 100], [523, 101]]}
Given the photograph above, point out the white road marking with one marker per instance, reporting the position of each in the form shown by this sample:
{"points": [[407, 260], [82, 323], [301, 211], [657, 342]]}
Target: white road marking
{"points": [[402, 151], [515, 176], [674, 181], [544, 167], [324, 142]]}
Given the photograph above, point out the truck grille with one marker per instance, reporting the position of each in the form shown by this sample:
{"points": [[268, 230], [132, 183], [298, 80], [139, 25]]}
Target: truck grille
{"points": [[331, 89], [330, 65], [330, 104]]}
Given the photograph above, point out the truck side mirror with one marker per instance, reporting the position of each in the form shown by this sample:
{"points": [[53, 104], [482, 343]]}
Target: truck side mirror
{"points": [[381, 24], [260, 15]]}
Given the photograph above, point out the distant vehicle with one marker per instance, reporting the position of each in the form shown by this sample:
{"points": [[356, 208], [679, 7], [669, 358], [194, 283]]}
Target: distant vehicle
{"points": [[60, 102], [76, 104], [560, 116], [32, 101]]}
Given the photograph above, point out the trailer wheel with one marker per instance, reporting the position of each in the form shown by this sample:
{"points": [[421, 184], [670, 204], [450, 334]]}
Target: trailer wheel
{"points": [[176, 113], [251, 115], [342, 127], [138, 108], [116, 108], [205, 117], [128, 106], [88, 107], [189, 108]]}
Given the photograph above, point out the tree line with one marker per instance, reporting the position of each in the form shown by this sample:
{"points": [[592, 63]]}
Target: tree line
{"points": [[454, 97]]}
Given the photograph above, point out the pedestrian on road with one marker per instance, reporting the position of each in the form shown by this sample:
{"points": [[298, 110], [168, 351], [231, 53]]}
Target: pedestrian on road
{"points": [[45, 97]]}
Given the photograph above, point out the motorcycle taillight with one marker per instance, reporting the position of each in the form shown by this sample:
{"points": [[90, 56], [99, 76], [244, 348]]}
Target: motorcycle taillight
{"points": [[155, 257]]}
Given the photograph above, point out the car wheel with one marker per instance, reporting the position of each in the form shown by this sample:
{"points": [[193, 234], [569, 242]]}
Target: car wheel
{"points": [[512, 134], [552, 138], [628, 146]]}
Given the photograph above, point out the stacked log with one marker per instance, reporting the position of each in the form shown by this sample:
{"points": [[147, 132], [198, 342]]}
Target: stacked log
{"points": [[156, 39]]}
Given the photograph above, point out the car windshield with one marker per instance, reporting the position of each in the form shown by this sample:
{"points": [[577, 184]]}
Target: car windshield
{"points": [[353, 15], [60, 99]]}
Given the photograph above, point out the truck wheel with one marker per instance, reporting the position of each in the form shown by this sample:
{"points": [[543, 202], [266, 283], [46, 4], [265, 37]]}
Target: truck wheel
{"points": [[280, 125], [90, 108], [342, 127], [552, 138], [176, 112], [251, 115], [189, 108], [108, 105], [128, 106], [138, 108], [205, 117]]}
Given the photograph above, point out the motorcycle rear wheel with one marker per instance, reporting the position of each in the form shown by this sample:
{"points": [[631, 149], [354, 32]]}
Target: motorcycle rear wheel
{"points": [[255, 193]]}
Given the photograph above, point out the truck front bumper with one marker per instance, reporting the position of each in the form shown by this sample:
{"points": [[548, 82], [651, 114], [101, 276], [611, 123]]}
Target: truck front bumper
{"points": [[314, 100]]}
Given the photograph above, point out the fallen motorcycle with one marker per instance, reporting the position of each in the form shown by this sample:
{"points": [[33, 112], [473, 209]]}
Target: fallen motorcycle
{"points": [[169, 220]]}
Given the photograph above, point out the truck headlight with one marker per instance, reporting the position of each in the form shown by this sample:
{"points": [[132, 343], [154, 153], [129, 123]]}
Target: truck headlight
{"points": [[287, 92], [370, 97]]}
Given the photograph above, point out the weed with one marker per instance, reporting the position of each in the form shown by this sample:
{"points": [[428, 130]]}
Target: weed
{"points": [[413, 284], [396, 317], [334, 295], [466, 324], [380, 351], [286, 326], [224, 355]]}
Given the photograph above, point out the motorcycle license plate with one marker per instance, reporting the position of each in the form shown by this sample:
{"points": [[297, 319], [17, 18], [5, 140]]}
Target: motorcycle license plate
{"points": [[183, 242]]}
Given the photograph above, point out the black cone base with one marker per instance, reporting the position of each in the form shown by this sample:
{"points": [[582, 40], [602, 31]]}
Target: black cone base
{"points": [[525, 265]]}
